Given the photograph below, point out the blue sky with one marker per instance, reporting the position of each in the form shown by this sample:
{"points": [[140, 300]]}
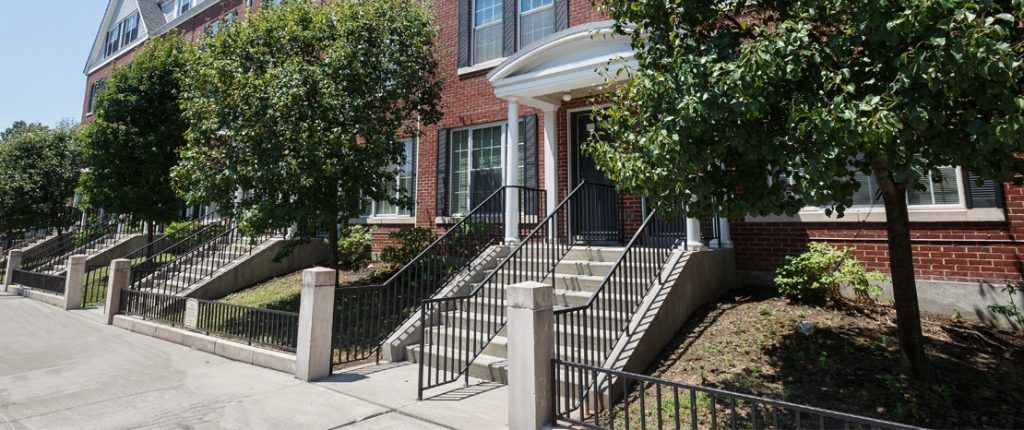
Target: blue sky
{"points": [[45, 44]]}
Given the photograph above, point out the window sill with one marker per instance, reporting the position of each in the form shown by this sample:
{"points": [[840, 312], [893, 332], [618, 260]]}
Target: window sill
{"points": [[447, 220], [385, 220], [481, 67], [878, 215]]}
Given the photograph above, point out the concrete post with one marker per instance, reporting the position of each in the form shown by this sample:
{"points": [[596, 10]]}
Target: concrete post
{"points": [[694, 239], [512, 174], [74, 283], [118, 277], [724, 235], [531, 347], [13, 263], [316, 313]]}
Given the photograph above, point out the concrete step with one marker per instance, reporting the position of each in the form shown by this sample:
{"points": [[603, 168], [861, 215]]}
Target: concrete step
{"points": [[485, 367], [602, 254], [482, 322], [491, 297]]}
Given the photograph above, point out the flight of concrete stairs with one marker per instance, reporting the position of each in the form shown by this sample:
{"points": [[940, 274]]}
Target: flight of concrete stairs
{"points": [[577, 276], [59, 264], [197, 265]]}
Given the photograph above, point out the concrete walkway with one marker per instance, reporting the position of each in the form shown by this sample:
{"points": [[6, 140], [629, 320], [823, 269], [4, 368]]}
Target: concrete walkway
{"points": [[65, 370]]}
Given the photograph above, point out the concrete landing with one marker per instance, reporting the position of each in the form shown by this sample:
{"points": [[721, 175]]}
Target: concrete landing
{"points": [[63, 370]]}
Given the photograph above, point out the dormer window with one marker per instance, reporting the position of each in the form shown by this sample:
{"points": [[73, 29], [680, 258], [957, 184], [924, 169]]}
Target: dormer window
{"points": [[122, 34], [184, 6]]}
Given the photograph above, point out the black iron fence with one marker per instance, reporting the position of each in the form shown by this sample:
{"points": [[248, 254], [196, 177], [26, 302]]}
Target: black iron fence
{"points": [[588, 333], [39, 281], [100, 232], [621, 400], [586, 215], [366, 315], [153, 256], [95, 288], [256, 326]]}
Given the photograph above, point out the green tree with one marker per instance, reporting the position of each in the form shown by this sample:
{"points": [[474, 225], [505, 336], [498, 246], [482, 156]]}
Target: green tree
{"points": [[20, 127], [765, 107], [133, 143], [39, 168], [301, 106]]}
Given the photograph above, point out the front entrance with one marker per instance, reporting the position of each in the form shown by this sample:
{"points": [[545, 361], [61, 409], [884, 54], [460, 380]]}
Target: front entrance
{"points": [[595, 213]]}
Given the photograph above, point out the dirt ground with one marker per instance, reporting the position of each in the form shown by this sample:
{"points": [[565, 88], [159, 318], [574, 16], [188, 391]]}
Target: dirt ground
{"points": [[748, 342]]}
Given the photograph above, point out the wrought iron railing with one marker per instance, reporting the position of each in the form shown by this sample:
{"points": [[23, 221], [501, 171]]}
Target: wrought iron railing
{"points": [[164, 250], [585, 216], [630, 401], [39, 281], [95, 289], [587, 333], [256, 326], [198, 263], [53, 255], [367, 315]]}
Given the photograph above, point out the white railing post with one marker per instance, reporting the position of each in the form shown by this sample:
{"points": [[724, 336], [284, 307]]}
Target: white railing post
{"points": [[118, 276], [14, 257], [316, 313], [724, 235], [74, 282], [531, 347]]}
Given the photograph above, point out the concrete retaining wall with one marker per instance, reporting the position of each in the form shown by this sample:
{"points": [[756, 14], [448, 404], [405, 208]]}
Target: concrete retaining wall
{"points": [[691, 279], [274, 360], [259, 266], [41, 296], [940, 298], [120, 249]]}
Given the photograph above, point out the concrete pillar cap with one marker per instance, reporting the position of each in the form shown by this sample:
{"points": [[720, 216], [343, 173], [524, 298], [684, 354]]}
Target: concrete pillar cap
{"points": [[317, 277], [531, 295]]}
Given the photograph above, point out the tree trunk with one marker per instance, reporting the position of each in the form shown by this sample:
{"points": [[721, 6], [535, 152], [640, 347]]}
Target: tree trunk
{"points": [[149, 238], [335, 257], [901, 266]]}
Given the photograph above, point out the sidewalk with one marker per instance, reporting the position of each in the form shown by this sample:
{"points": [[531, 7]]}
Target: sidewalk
{"points": [[65, 370]]}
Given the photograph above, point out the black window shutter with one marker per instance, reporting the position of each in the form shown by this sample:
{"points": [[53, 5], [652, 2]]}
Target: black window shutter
{"points": [[443, 176], [987, 195], [508, 23], [530, 178], [465, 29], [561, 15], [415, 166]]}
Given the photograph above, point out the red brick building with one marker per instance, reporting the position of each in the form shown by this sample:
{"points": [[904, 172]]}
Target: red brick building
{"points": [[536, 61]]}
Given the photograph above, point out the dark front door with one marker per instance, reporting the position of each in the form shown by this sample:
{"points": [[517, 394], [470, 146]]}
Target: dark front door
{"points": [[595, 212]]}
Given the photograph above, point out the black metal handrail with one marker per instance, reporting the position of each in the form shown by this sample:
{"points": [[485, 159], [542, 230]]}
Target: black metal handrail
{"points": [[534, 259], [587, 333], [368, 315], [95, 289], [198, 263], [628, 400], [162, 251], [39, 281], [54, 254], [256, 326]]}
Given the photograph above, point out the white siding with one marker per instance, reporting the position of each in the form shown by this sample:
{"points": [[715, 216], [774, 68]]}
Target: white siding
{"points": [[126, 8]]}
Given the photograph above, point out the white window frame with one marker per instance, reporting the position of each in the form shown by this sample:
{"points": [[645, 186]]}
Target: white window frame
{"points": [[125, 32], [398, 186], [475, 28], [961, 196], [521, 14], [469, 160], [116, 39], [186, 4]]}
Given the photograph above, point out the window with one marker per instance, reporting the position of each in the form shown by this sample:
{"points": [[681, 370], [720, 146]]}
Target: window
{"points": [[941, 191], [404, 185], [536, 20], [94, 90], [113, 42], [477, 165], [217, 25], [487, 30], [184, 6], [130, 29]]}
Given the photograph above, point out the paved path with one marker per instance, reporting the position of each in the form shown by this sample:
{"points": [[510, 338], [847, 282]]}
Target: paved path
{"points": [[65, 370]]}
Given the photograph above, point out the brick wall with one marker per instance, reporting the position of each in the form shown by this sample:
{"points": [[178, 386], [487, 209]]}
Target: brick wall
{"points": [[943, 251]]}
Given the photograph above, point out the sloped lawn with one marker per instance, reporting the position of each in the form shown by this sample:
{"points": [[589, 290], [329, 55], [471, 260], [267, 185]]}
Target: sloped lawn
{"points": [[748, 342], [284, 293]]}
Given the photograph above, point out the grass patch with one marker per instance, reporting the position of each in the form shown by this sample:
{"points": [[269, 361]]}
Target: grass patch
{"points": [[850, 363], [284, 293]]}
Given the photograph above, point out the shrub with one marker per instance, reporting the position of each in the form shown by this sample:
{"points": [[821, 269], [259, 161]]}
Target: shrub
{"points": [[818, 276], [1012, 311], [180, 229], [354, 245], [411, 242]]}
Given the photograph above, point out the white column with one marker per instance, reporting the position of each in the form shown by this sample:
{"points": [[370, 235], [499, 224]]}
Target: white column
{"points": [[724, 235], [512, 174], [531, 346], [14, 257], [316, 314], [550, 159], [693, 236]]}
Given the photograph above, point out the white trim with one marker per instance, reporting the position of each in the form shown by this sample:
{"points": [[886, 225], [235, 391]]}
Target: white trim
{"points": [[519, 21], [490, 64], [925, 214], [385, 220]]}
